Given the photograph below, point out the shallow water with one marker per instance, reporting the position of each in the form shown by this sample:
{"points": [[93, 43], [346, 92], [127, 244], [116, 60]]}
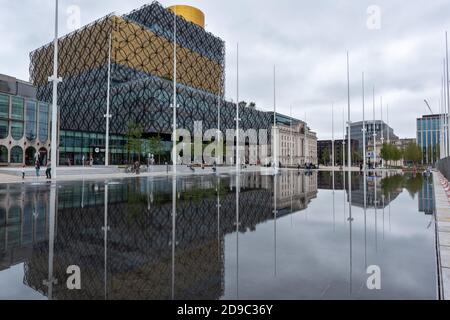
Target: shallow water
{"points": [[311, 247]]}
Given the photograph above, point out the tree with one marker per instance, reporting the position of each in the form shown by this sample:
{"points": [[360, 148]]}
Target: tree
{"points": [[386, 152], [413, 153], [156, 147], [134, 143], [325, 157], [356, 157]]}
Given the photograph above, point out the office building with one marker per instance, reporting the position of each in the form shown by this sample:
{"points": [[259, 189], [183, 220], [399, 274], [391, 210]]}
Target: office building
{"points": [[24, 124]]}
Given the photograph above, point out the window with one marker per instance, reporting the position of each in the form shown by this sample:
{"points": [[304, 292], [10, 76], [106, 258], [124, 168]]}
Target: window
{"points": [[16, 130], [17, 109], [4, 106], [30, 128], [3, 154], [3, 129], [16, 155], [43, 122]]}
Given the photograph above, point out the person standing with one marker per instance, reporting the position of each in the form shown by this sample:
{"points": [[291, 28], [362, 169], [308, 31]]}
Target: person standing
{"points": [[48, 172], [23, 172]]}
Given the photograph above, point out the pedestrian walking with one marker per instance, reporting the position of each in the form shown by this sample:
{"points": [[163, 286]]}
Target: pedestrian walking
{"points": [[23, 172]]}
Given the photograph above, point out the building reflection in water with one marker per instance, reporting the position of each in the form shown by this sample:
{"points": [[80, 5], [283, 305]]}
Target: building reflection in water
{"points": [[127, 240]]}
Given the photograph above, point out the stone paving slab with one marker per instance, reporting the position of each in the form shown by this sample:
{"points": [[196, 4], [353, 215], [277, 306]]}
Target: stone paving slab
{"points": [[444, 226], [445, 257], [446, 280], [444, 239]]}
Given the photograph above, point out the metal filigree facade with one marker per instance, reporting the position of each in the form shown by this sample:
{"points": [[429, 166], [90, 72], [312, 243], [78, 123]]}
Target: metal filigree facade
{"points": [[141, 75]]}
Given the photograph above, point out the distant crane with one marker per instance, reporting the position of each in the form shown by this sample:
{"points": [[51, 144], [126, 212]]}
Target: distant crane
{"points": [[428, 105]]}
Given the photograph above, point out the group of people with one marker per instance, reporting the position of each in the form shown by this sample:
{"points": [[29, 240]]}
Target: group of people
{"points": [[37, 167]]}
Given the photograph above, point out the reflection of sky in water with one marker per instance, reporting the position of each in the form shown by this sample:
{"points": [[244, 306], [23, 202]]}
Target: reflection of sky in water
{"points": [[311, 258], [313, 261], [12, 287]]}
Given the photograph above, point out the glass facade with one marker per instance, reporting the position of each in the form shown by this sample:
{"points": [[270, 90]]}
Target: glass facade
{"points": [[17, 108], [4, 124], [30, 121], [4, 106], [16, 155], [3, 154], [74, 145], [20, 118], [429, 138], [380, 128], [16, 130], [43, 122]]}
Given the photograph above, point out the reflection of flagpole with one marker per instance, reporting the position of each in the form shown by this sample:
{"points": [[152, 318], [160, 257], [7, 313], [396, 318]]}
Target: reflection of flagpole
{"points": [[174, 241], [218, 217], [51, 243], [334, 208], [82, 194], [382, 197], [238, 187], [105, 230], [376, 217], [389, 212], [365, 218]]}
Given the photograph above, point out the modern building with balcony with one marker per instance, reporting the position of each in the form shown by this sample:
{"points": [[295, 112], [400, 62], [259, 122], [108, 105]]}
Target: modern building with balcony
{"points": [[24, 124]]}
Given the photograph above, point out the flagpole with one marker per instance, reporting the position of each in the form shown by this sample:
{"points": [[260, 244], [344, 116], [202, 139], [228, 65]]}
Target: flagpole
{"points": [[54, 78], [174, 138], [364, 122], [332, 137], [108, 94], [374, 133], [275, 135], [349, 147], [448, 91], [382, 130], [237, 111]]}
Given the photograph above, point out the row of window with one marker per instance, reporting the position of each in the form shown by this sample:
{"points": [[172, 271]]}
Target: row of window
{"points": [[428, 124], [27, 117], [16, 155]]}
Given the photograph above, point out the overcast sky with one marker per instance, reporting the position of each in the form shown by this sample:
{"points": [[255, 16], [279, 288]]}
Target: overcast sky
{"points": [[306, 40]]}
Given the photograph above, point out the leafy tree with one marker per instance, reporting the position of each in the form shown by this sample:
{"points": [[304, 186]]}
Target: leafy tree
{"points": [[156, 147], [386, 152], [413, 153], [134, 143], [325, 157], [356, 157]]}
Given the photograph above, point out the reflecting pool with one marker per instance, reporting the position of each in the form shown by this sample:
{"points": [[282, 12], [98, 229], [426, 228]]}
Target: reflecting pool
{"points": [[293, 236]]}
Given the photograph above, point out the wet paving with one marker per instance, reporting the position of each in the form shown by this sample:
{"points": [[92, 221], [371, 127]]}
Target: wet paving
{"points": [[292, 236]]}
